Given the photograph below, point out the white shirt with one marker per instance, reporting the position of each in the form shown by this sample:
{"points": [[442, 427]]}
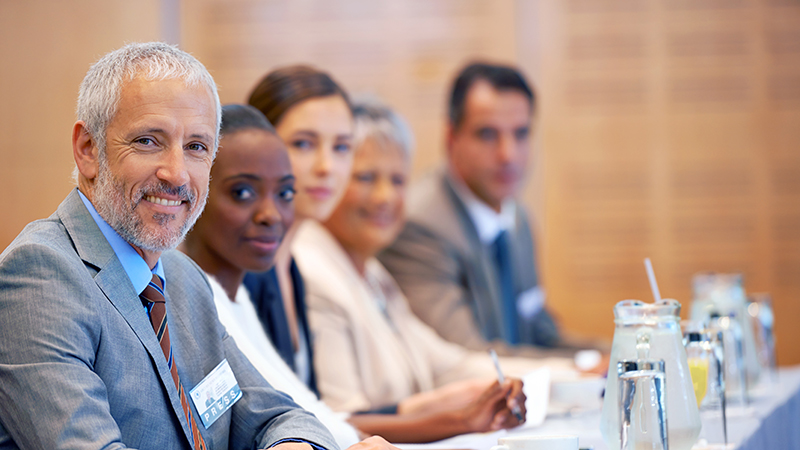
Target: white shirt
{"points": [[241, 321]]}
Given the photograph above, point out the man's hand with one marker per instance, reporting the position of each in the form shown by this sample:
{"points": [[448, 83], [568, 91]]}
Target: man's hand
{"points": [[493, 409]]}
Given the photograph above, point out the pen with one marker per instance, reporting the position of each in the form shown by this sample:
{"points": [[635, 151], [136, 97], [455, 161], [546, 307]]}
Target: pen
{"points": [[502, 379]]}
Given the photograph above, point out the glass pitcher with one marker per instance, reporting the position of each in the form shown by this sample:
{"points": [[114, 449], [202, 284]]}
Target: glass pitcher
{"points": [[651, 331]]}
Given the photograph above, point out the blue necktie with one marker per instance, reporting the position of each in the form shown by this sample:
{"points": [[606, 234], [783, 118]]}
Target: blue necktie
{"points": [[505, 277]]}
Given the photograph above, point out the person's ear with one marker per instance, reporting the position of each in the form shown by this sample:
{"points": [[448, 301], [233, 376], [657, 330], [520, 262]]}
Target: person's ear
{"points": [[84, 150], [449, 137]]}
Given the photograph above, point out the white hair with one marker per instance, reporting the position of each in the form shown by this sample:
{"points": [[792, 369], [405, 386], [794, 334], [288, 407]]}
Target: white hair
{"points": [[374, 120], [98, 97]]}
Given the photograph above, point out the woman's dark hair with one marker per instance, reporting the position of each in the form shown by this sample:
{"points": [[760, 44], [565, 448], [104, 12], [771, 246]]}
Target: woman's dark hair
{"points": [[243, 117], [283, 88]]}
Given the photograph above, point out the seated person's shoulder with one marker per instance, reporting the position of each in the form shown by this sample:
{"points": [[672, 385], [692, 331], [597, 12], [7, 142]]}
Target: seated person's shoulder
{"points": [[44, 279], [41, 243]]}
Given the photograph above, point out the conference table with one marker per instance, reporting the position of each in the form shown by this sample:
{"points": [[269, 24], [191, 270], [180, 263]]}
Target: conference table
{"points": [[771, 421]]}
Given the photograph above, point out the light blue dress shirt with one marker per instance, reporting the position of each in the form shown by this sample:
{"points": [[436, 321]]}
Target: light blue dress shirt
{"points": [[135, 267]]}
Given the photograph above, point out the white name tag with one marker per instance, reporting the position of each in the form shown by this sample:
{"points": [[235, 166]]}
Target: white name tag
{"points": [[216, 393]]}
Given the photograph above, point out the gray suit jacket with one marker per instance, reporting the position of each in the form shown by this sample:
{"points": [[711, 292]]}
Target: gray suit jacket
{"points": [[449, 276], [80, 365]]}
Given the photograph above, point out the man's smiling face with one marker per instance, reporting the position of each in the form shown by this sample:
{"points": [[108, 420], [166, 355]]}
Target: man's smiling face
{"points": [[152, 180]]}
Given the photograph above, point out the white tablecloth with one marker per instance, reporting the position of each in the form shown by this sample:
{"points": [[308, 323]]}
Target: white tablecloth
{"points": [[770, 422]]}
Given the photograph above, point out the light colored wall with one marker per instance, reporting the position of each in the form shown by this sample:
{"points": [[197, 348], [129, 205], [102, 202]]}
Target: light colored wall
{"points": [[667, 129]]}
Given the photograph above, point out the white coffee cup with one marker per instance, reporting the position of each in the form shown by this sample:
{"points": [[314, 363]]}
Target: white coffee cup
{"points": [[537, 443]]}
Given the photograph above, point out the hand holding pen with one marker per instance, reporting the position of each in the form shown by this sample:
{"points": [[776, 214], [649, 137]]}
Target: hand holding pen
{"points": [[515, 409]]}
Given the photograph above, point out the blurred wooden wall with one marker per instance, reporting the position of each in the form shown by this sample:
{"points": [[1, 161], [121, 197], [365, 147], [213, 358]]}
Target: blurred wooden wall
{"points": [[667, 128], [46, 47], [671, 130]]}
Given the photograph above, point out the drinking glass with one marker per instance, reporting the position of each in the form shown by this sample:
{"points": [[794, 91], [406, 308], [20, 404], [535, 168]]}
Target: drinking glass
{"points": [[642, 405]]}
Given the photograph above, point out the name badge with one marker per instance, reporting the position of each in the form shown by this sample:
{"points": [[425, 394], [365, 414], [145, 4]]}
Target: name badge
{"points": [[216, 393]]}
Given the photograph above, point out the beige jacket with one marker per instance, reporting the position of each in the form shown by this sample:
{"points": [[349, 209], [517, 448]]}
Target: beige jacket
{"points": [[366, 355]]}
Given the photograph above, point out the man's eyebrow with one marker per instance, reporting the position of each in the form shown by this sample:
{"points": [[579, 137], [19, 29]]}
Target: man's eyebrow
{"points": [[202, 136]]}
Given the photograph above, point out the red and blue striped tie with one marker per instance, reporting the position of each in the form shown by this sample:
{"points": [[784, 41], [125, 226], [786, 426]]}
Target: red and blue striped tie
{"points": [[153, 298]]}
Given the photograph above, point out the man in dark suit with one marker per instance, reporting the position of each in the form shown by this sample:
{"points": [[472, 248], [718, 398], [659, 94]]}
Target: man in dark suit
{"points": [[108, 338], [466, 257]]}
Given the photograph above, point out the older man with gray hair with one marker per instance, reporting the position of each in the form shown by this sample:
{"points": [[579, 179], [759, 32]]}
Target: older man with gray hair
{"points": [[108, 338]]}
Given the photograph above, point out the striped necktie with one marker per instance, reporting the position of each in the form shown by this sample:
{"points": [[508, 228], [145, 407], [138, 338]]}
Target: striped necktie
{"points": [[153, 298]]}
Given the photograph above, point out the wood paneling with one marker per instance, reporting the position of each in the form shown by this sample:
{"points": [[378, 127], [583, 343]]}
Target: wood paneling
{"points": [[696, 164], [46, 47], [405, 52], [666, 128]]}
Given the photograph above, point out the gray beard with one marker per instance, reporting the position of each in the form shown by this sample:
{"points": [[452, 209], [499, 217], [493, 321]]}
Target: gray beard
{"points": [[120, 214]]}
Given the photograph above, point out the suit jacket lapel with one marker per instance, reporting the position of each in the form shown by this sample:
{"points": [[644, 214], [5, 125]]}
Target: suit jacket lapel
{"points": [[189, 351], [95, 251], [480, 264], [523, 252]]}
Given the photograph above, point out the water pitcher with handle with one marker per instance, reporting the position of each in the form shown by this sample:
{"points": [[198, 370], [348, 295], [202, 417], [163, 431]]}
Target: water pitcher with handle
{"points": [[648, 331]]}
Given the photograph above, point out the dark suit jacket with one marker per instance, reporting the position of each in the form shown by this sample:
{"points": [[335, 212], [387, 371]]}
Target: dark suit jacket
{"points": [[265, 293], [449, 275], [80, 365]]}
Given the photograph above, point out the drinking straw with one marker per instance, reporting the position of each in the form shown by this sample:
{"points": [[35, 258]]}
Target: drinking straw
{"points": [[652, 277]]}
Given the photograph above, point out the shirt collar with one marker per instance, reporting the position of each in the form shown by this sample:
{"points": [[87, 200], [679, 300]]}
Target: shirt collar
{"points": [[488, 222], [134, 265]]}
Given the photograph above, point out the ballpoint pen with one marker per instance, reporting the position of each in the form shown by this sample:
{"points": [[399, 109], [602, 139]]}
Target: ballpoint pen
{"points": [[502, 379]]}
